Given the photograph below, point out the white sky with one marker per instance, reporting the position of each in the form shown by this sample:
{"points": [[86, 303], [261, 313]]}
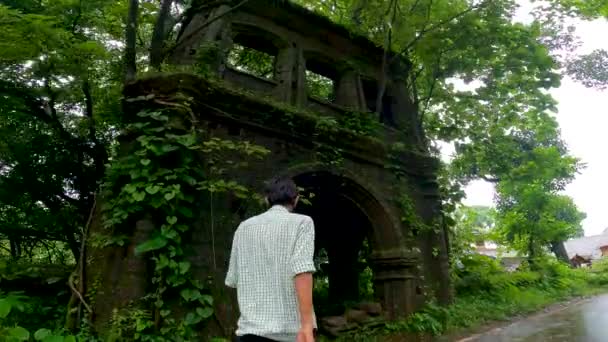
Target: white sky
{"points": [[584, 126]]}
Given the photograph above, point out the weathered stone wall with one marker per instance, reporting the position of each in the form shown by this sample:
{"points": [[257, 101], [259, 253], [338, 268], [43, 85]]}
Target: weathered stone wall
{"points": [[409, 246], [228, 114]]}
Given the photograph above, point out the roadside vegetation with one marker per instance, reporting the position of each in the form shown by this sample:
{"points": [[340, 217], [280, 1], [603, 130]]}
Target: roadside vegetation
{"points": [[487, 293]]}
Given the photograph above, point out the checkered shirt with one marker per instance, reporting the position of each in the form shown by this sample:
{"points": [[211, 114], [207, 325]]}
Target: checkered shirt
{"points": [[268, 251]]}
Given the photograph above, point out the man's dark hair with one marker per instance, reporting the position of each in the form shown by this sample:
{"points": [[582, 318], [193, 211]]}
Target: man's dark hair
{"points": [[281, 191]]}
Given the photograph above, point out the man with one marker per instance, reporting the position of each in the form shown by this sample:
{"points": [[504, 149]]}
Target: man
{"points": [[271, 266]]}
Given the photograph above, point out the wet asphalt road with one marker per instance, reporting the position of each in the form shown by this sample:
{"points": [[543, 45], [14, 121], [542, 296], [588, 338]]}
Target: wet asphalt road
{"points": [[586, 321]]}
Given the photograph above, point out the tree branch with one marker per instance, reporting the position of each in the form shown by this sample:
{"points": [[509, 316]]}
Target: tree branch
{"points": [[78, 17], [490, 179], [431, 28], [385, 60], [130, 57], [82, 259], [100, 155], [158, 35]]}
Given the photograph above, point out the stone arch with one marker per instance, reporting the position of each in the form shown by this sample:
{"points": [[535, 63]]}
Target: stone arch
{"points": [[392, 265], [256, 37], [386, 233]]}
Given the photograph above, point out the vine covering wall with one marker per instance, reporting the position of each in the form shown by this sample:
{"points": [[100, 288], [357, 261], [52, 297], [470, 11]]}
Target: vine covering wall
{"points": [[160, 178]]}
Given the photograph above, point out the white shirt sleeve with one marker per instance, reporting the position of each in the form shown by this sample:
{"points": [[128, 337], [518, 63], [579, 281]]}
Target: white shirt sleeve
{"points": [[304, 248], [232, 276]]}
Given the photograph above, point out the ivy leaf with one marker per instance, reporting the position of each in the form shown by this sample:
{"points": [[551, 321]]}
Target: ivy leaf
{"points": [[5, 307], [171, 220], [130, 188], [41, 334], [169, 196], [134, 173], [139, 196], [145, 162], [151, 245], [184, 266], [18, 333], [165, 313], [204, 313], [206, 299], [192, 319], [190, 294], [185, 211], [152, 189]]}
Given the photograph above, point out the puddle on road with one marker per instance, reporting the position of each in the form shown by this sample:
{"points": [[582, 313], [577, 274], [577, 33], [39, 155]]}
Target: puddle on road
{"points": [[585, 322]]}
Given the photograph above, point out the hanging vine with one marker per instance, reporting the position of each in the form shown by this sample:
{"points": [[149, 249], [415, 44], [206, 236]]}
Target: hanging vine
{"points": [[160, 177]]}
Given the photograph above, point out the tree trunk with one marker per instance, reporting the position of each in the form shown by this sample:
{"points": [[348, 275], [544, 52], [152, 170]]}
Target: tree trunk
{"points": [[558, 248], [531, 251], [74, 246], [130, 40], [158, 35], [100, 155], [15, 248]]}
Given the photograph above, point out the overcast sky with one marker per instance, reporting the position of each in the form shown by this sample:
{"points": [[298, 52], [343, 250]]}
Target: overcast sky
{"points": [[584, 127]]}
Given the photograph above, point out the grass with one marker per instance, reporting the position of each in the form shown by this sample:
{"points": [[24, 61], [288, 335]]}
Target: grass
{"points": [[486, 293]]}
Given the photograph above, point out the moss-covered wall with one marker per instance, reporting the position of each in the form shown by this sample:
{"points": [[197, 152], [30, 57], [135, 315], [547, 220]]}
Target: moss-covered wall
{"points": [[380, 177]]}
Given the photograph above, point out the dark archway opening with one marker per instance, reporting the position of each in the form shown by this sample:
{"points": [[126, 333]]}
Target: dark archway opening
{"points": [[341, 248]]}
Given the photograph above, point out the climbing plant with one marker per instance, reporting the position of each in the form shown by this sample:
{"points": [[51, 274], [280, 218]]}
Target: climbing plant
{"points": [[159, 179]]}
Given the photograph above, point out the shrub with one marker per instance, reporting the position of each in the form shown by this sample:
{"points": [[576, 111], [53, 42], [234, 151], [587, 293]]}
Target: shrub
{"points": [[11, 305]]}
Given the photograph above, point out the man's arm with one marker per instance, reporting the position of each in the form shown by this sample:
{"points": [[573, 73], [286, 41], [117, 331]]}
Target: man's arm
{"points": [[232, 275], [303, 284], [302, 267]]}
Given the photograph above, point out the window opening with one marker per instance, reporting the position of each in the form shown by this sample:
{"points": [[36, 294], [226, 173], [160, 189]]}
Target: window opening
{"points": [[320, 87], [251, 61]]}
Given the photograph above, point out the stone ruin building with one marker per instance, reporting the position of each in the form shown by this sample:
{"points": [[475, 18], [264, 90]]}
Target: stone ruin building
{"points": [[358, 198]]}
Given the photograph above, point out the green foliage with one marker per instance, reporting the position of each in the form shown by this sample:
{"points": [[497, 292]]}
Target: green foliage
{"points": [[320, 87], [486, 292], [146, 181], [54, 136], [17, 304], [410, 217], [472, 225], [251, 61], [530, 218], [54, 57]]}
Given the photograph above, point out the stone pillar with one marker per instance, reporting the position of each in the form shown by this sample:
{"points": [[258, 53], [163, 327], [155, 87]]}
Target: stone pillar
{"points": [[349, 92], [395, 281], [435, 244], [285, 71], [301, 98], [404, 111]]}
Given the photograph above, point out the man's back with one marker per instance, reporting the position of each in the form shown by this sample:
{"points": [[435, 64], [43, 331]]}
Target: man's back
{"points": [[268, 251]]}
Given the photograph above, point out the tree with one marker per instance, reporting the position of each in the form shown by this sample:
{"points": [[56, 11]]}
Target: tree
{"points": [[56, 72], [473, 226], [530, 168], [531, 219], [589, 69]]}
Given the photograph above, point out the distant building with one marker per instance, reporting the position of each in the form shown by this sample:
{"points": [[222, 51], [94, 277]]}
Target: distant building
{"points": [[587, 249], [508, 259]]}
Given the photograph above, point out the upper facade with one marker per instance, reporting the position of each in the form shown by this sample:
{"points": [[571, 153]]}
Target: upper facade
{"points": [[284, 51]]}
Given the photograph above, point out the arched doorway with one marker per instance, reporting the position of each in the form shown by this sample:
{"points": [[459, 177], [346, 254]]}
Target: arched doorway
{"points": [[349, 224]]}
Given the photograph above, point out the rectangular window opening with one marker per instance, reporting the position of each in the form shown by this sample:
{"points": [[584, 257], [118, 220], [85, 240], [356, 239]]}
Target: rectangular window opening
{"points": [[251, 61], [320, 87]]}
